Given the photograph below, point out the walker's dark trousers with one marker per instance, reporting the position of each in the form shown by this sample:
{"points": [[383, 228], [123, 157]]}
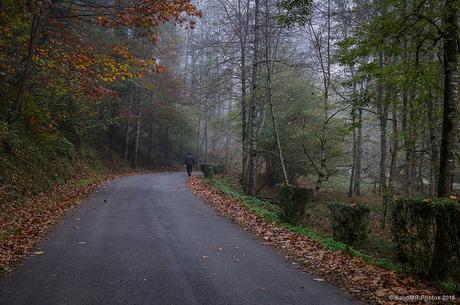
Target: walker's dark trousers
{"points": [[189, 169]]}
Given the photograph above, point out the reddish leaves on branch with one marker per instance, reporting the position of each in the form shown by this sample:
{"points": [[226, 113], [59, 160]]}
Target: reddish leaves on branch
{"points": [[145, 14], [70, 52]]}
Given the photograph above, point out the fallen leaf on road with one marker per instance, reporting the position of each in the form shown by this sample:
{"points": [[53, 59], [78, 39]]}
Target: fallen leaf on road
{"points": [[22, 226], [38, 253], [381, 293], [319, 280]]}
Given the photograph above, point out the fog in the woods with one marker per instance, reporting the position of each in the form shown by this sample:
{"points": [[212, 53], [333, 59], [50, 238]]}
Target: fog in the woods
{"points": [[332, 116]]}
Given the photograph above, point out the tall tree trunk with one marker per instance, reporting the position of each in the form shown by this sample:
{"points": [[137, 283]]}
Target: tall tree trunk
{"points": [[359, 153], [138, 130], [420, 163], [193, 83], [441, 263], [394, 148], [244, 111], [412, 142], [433, 146], [353, 162], [326, 71], [382, 110], [252, 177], [450, 116], [23, 80], [198, 134], [269, 65], [111, 112], [166, 142], [206, 133], [228, 135], [355, 178], [404, 115], [393, 172], [383, 148], [404, 109], [125, 154], [149, 153], [128, 129]]}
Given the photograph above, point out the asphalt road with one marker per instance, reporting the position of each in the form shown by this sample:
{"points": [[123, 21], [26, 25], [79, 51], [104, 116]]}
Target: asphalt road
{"points": [[146, 240]]}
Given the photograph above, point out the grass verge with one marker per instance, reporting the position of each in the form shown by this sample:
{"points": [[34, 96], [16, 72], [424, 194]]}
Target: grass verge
{"points": [[270, 212]]}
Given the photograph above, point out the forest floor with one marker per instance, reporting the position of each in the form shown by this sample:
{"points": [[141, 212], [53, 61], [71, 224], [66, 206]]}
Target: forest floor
{"points": [[365, 280], [317, 217]]}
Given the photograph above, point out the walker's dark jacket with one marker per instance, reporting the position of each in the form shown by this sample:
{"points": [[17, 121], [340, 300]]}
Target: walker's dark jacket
{"points": [[189, 160]]}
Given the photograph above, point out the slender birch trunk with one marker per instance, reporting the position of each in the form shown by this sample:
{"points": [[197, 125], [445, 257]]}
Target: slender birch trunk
{"points": [[269, 66], [252, 177]]}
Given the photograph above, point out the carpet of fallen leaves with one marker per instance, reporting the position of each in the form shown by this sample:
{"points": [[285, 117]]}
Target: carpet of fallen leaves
{"points": [[22, 225], [364, 281]]}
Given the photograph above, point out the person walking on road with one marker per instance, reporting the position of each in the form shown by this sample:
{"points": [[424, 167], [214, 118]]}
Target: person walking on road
{"points": [[189, 162]]}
